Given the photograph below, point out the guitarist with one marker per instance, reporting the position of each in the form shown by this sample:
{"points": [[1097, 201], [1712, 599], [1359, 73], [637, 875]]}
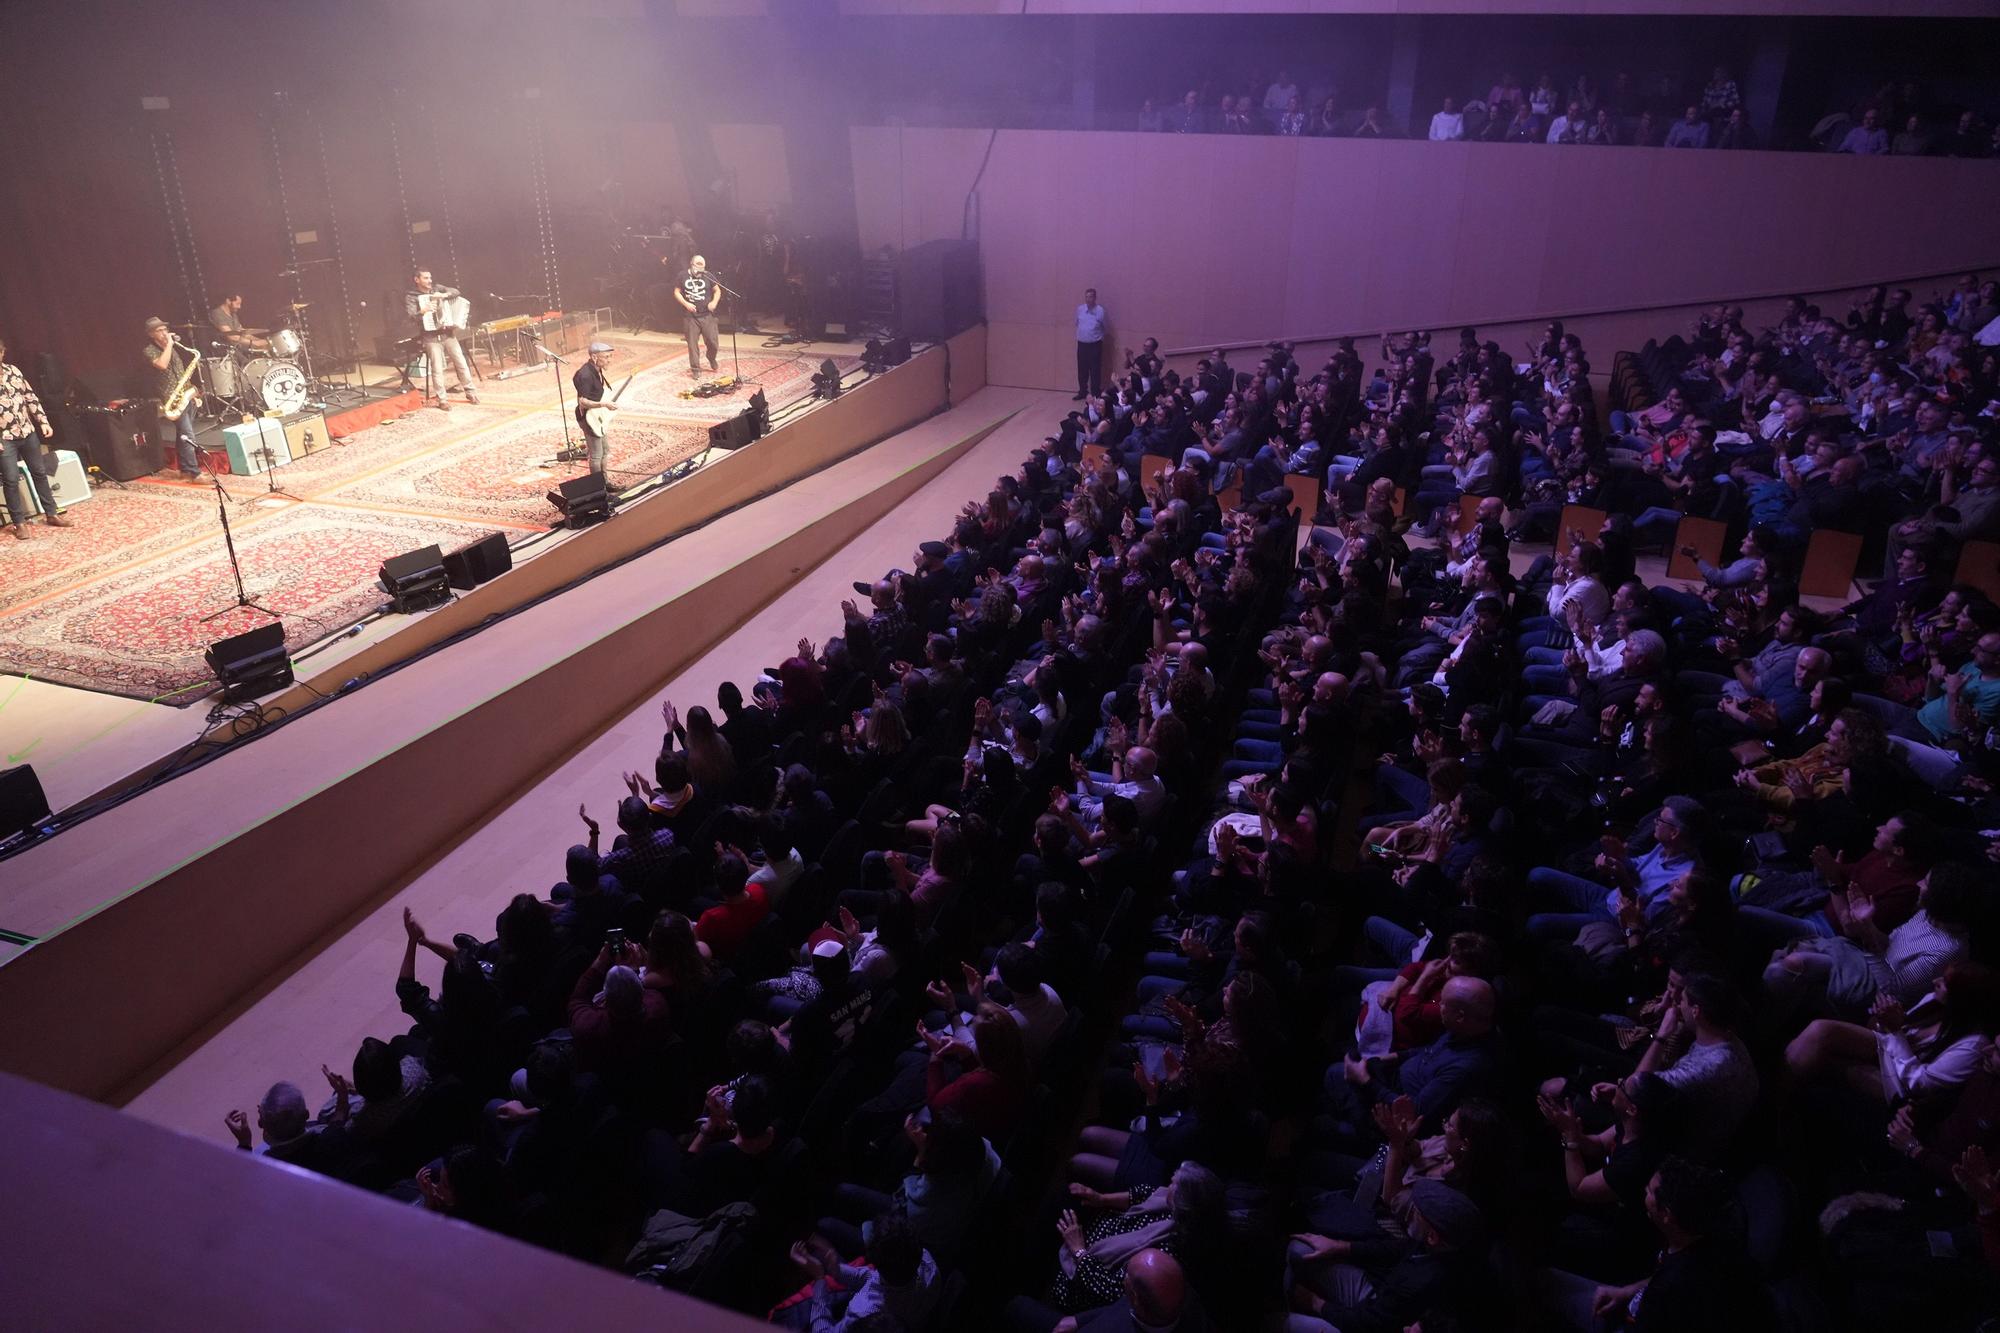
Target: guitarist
{"points": [[425, 296], [593, 390]]}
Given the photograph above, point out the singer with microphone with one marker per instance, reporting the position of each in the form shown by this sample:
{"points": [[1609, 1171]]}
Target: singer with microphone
{"points": [[700, 297], [169, 357]]}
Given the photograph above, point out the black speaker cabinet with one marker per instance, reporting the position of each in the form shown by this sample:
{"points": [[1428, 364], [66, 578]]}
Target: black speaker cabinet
{"points": [[120, 441], [938, 290], [731, 434], [478, 562], [22, 804]]}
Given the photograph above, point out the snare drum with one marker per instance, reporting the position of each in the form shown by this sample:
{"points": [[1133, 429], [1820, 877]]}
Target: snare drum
{"points": [[285, 344], [279, 386]]}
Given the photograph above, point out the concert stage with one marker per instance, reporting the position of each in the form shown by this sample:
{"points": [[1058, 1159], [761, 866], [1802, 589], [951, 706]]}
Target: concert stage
{"points": [[120, 602]]}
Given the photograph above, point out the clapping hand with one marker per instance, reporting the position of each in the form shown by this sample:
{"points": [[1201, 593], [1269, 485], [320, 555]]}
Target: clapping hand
{"points": [[1085, 1195], [1069, 1231], [239, 1127], [1398, 1120], [411, 927], [589, 823], [1193, 946], [1975, 1175], [669, 715], [1886, 1011]]}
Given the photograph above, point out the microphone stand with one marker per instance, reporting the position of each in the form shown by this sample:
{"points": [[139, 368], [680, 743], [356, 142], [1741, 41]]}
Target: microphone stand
{"points": [[271, 486], [235, 565], [735, 361], [570, 451]]}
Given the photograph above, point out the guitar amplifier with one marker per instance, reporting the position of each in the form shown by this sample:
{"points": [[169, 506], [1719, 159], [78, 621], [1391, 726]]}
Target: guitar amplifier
{"points": [[246, 446], [306, 434], [120, 440], [69, 482]]}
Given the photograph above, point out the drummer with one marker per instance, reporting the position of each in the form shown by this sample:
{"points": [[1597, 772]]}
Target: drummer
{"points": [[228, 323]]}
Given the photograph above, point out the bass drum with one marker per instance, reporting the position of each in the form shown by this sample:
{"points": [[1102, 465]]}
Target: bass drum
{"points": [[279, 386], [285, 344]]}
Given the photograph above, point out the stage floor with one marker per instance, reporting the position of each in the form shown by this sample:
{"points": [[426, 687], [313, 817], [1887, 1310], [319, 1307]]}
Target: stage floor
{"points": [[102, 625]]}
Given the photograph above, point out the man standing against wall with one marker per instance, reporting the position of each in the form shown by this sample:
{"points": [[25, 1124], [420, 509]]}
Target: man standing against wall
{"points": [[1089, 345]]}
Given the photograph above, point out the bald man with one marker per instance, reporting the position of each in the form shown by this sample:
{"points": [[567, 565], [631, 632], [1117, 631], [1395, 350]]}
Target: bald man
{"points": [[1464, 1058], [1157, 1299], [699, 299]]}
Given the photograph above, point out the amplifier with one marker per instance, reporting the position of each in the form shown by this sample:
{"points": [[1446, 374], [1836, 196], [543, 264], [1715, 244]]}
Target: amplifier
{"points": [[306, 434], [69, 482], [246, 445], [120, 440]]}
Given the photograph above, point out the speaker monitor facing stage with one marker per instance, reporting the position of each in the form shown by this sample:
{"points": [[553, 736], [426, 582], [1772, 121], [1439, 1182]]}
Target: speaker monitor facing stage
{"points": [[415, 579], [478, 562], [583, 500], [252, 663]]}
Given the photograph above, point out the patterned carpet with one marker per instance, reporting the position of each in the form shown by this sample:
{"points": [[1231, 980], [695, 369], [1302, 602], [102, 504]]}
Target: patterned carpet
{"points": [[139, 631], [503, 475], [115, 602]]}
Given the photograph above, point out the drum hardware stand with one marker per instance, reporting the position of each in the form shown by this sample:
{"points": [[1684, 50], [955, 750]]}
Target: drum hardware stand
{"points": [[571, 452], [235, 565]]}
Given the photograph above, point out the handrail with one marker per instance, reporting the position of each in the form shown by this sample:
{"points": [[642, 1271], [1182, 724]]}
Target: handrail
{"points": [[1587, 313]]}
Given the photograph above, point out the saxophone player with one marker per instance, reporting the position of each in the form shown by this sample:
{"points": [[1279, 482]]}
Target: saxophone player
{"points": [[170, 360]]}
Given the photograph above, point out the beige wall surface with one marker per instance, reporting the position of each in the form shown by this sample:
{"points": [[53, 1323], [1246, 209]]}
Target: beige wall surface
{"points": [[1205, 239]]}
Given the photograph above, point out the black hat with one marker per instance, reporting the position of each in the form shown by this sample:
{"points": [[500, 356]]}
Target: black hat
{"points": [[935, 550]]}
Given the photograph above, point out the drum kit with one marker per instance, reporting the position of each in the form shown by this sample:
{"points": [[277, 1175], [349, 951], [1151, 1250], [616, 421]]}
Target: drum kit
{"points": [[271, 373]]}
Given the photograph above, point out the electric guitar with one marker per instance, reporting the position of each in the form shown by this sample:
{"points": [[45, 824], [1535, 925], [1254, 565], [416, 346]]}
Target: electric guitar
{"points": [[599, 418]]}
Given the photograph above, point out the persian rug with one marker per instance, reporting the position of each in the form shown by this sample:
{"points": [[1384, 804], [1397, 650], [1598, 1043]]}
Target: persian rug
{"points": [[138, 631], [783, 378], [503, 475], [114, 528]]}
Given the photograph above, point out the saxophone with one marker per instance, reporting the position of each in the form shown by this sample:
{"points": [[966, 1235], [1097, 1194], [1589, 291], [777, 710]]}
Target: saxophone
{"points": [[177, 401]]}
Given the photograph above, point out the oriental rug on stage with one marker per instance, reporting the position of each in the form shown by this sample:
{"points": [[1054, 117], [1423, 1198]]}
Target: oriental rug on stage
{"points": [[139, 630], [504, 474], [115, 602]]}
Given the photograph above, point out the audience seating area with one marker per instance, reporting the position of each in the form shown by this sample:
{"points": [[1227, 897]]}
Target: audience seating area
{"points": [[1292, 857]]}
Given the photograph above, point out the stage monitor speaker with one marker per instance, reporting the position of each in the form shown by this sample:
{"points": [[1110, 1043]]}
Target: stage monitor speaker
{"points": [[251, 663], [583, 500], [733, 433], [119, 441], [415, 579], [478, 562], [22, 802], [937, 289]]}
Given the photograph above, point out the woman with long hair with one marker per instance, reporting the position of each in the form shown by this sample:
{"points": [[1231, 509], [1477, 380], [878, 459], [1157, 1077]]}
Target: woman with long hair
{"points": [[1917, 1054]]}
